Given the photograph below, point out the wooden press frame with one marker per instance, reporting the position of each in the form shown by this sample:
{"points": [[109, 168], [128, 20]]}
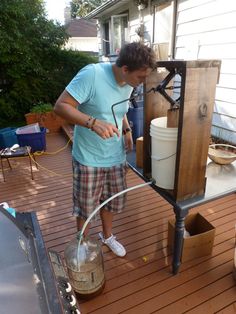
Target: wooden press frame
{"points": [[197, 96]]}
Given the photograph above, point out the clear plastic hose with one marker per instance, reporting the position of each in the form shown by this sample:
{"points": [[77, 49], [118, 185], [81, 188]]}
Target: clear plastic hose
{"points": [[80, 234], [108, 200]]}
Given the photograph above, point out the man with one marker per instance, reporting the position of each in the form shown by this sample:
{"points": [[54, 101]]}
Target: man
{"points": [[99, 160]]}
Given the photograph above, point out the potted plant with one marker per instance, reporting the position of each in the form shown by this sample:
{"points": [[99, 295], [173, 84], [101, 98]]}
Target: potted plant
{"points": [[43, 114]]}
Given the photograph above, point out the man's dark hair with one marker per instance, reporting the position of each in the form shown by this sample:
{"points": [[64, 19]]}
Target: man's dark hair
{"points": [[135, 56]]}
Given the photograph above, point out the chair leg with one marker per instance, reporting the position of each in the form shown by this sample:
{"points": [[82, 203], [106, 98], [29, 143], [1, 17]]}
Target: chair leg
{"points": [[3, 171], [34, 158], [31, 169], [9, 164]]}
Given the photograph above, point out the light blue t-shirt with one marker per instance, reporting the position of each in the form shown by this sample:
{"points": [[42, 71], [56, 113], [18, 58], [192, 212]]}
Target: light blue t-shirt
{"points": [[96, 90]]}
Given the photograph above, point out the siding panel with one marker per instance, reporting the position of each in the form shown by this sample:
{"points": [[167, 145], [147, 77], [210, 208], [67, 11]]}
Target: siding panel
{"points": [[209, 9], [225, 108], [206, 29], [211, 23], [221, 36]]}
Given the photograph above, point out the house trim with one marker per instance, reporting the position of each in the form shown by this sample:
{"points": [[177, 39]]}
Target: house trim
{"points": [[96, 13]]}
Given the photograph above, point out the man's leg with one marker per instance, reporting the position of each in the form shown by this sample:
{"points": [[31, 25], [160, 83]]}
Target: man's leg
{"points": [[107, 218], [107, 236], [86, 193], [80, 222]]}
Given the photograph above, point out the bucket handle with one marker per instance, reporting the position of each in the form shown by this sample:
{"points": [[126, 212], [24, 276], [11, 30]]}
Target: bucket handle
{"points": [[159, 159]]}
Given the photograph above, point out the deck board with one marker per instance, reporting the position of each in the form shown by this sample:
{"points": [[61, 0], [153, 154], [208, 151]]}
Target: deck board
{"points": [[142, 281]]}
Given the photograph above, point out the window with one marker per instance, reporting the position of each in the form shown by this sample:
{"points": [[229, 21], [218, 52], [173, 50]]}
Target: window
{"points": [[163, 30], [119, 32], [106, 42]]}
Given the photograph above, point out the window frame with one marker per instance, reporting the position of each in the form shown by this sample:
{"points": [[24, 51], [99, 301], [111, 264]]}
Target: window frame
{"points": [[112, 42]]}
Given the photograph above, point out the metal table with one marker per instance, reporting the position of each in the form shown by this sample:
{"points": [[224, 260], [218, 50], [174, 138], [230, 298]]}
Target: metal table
{"points": [[24, 151], [221, 181]]}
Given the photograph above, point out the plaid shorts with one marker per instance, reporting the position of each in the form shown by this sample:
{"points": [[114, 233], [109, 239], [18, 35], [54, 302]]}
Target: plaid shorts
{"points": [[93, 185]]}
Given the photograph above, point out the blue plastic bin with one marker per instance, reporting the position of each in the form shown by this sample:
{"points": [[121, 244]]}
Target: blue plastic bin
{"points": [[37, 141], [135, 118], [8, 137]]}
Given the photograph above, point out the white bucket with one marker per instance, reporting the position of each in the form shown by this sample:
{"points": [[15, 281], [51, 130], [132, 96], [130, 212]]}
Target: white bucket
{"points": [[163, 152]]}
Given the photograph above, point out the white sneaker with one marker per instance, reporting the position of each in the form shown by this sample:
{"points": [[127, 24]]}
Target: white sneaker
{"points": [[116, 247]]}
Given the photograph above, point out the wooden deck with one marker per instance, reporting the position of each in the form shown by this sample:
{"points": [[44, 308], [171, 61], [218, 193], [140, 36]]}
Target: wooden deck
{"points": [[141, 282]]}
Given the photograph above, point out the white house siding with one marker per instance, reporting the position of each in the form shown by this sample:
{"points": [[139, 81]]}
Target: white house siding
{"points": [[83, 44], [135, 18], [163, 25], [206, 29]]}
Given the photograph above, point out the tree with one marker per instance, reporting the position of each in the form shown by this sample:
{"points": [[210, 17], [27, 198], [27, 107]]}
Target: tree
{"points": [[82, 7], [33, 67]]}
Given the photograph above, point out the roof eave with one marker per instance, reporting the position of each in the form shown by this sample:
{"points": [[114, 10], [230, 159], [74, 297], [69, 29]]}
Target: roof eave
{"points": [[96, 13]]}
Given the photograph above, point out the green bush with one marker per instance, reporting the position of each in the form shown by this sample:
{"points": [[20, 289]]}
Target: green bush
{"points": [[19, 97], [41, 108], [34, 67]]}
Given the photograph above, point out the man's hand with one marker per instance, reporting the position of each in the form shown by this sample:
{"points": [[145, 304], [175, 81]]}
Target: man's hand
{"points": [[105, 130]]}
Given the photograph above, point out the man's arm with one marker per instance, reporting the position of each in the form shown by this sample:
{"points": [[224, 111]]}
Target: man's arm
{"points": [[127, 135], [65, 107]]}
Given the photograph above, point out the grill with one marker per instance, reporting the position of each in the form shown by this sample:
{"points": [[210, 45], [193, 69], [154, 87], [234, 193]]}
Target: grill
{"points": [[31, 281]]}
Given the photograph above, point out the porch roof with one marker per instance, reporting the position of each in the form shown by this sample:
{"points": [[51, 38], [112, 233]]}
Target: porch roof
{"points": [[109, 6], [106, 8]]}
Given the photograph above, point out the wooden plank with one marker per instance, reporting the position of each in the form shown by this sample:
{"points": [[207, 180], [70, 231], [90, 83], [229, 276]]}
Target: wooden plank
{"points": [[156, 290], [228, 309], [219, 300], [192, 147]]}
